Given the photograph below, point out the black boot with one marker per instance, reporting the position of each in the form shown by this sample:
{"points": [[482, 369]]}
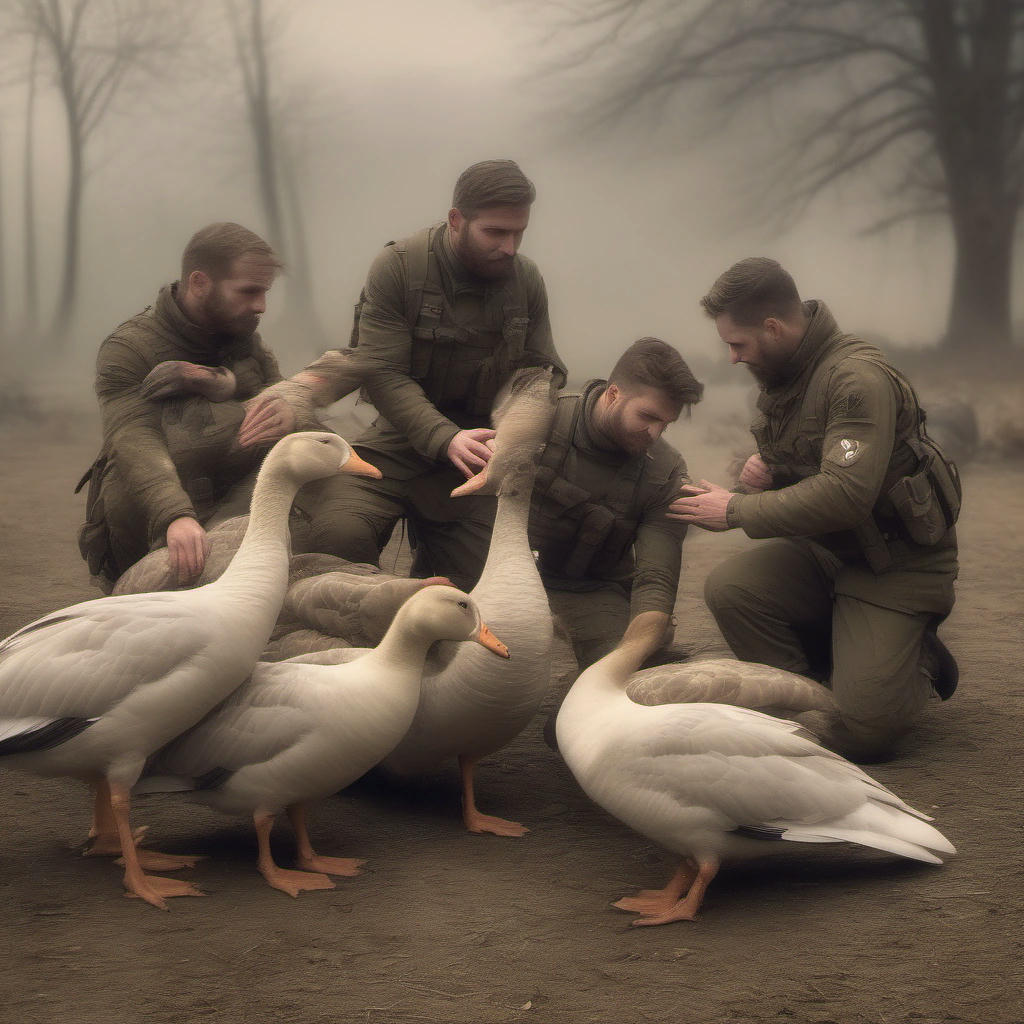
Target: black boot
{"points": [[940, 665]]}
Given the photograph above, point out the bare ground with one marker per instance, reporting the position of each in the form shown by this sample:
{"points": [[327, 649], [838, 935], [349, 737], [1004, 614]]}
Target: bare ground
{"points": [[447, 927]]}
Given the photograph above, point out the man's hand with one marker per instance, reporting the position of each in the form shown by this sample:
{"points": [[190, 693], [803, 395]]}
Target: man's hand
{"points": [[702, 505], [469, 452], [755, 475], [187, 549], [267, 419]]}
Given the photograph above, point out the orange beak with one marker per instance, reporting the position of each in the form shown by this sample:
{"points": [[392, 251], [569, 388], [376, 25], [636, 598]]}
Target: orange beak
{"points": [[354, 464], [472, 485], [487, 639]]}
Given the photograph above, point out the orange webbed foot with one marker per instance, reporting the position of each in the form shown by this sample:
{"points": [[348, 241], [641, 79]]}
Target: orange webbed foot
{"points": [[154, 860], [155, 890], [294, 882], [477, 822], [346, 866]]}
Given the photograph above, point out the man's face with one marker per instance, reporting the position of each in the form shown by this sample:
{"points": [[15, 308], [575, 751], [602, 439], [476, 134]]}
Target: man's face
{"points": [[487, 244], [234, 304], [635, 419], [758, 347]]}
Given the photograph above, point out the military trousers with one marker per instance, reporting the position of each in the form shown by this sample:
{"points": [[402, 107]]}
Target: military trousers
{"points": [[793, 605], [354, 517]]}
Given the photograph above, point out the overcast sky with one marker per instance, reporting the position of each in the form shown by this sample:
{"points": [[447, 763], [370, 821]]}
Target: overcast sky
{"points": [[387, 103]]}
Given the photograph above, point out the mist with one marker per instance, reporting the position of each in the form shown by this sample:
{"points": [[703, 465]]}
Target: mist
{"points": [[383, 107]]}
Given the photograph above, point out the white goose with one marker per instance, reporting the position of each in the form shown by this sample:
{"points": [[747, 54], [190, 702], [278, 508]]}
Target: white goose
{"points": [[709, 781], [470, 706], [92, 690], [295, 733]]}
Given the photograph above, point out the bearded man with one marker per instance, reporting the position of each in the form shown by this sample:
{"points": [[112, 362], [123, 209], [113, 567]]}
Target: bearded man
{"points": [[856, 505], [444, 320], [162, 470], [607, 549]]}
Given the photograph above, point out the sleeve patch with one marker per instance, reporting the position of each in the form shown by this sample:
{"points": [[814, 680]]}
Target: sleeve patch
{"points": [[846, 452]]}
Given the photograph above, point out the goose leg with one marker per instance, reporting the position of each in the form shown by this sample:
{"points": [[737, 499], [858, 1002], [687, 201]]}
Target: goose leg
{"points": [[472, 818], [291, 882], [684, 909], [104, 840], [151, 888], [308, 859]]}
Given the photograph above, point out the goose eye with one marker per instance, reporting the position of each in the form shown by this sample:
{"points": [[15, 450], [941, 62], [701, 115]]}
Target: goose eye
{"points": [[463, 604]]}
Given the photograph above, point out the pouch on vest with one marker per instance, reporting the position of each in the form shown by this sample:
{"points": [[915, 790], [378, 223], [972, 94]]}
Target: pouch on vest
{"points": [[93, 535], [595, 525], [927, 502]]}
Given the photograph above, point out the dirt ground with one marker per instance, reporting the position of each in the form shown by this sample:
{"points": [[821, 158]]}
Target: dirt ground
{"points": [[444, 926]]}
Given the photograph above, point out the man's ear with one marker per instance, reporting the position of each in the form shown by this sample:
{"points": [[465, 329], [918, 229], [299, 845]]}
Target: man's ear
{"points": [[773, 326], [456, 219], [199, 283]]}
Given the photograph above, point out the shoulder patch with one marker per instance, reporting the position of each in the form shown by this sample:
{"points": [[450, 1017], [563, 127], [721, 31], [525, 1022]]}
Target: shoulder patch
{"points": [[846, 452]]}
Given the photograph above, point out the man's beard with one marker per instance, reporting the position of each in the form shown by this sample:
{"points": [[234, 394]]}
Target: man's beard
{"points": [[220, 321], [480, 264], [766, 376]]}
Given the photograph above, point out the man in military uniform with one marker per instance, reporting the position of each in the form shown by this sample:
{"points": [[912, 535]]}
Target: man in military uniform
{"points": [[140, 497], [861, 503], [607, 550], [445, 318]]}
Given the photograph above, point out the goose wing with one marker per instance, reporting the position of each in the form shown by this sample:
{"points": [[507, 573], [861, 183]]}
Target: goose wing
{"points": [[83, 660], [269, 714], [751, 770]]}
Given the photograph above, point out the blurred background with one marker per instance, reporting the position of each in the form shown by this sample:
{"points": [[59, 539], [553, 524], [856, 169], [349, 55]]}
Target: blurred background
{"points": [[874, 148]]}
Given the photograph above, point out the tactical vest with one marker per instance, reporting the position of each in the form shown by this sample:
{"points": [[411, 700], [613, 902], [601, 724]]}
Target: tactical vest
{"points": [[606, 524], [461, 369], [920, 497]]}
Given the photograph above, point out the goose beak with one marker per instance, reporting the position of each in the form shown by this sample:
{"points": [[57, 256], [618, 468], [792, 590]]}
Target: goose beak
{"points": [[354, 464], [473, 484], [487, 639]]}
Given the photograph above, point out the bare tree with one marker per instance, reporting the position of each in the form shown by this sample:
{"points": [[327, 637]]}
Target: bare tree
{"points": [[94, 47], [252, 35], [927, 94]]}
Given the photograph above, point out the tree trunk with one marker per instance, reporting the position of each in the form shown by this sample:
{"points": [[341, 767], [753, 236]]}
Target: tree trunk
{"points": [[980, 316], [29, 201]]}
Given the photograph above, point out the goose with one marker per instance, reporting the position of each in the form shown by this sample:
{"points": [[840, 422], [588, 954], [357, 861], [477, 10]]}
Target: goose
{"points": [[90, 691], [710, 781], [353, 606], [295, 733], [469, 705]]}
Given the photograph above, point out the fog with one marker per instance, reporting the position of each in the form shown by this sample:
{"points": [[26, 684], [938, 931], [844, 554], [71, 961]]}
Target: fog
{"points": [[384, 105]]}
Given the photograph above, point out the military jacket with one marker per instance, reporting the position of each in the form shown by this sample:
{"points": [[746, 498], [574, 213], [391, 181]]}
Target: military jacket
{"points": [[134, 442], [836, 434], [598, 514], [437, 368]]}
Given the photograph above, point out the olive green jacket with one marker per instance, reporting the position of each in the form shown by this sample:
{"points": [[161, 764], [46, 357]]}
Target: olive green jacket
{"points": [[832, 433], [637, 489], [423, 390], [134, 441]]}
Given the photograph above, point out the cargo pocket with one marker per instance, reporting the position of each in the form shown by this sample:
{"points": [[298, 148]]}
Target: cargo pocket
{"points": [[917, 508]]}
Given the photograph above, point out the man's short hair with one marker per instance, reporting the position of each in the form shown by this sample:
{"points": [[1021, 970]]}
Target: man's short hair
{"points": [[492, 183], [653, 363], [751, 291], [214, 248]]}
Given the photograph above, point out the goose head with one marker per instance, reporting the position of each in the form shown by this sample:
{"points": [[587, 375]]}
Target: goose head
{"points": [[523, 413], [445, 613], [311, 455]]}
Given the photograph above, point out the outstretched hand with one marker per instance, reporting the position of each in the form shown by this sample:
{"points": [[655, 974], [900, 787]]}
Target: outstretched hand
{"points": [[267, 419], [702, 505], [188, 547], [469, 452]]}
